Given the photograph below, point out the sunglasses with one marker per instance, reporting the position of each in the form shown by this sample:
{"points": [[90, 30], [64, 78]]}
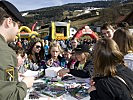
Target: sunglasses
{"points": [[38, 46]]}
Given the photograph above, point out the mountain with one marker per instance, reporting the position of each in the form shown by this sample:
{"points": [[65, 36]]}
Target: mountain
{"points": [[68, 11]]}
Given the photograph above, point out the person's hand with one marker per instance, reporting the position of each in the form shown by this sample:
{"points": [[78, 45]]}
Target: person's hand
{"points": [[28, 80], [62, 72], [50, 62], [92, 83], [92, 88]]}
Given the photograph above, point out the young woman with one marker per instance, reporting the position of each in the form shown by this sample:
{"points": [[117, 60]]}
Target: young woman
{"points": [[83, 67], [112, 80], [35, 54]]}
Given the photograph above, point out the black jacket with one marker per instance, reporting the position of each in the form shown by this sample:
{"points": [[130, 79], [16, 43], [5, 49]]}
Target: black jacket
{"points": [[111, 88], [86, 72]]}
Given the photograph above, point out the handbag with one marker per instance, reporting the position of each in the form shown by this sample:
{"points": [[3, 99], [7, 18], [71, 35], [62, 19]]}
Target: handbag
{"points": [[123, 81]]}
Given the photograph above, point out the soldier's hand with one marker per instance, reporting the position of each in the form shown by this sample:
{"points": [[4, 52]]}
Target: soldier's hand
{"points": [[28, 81]]}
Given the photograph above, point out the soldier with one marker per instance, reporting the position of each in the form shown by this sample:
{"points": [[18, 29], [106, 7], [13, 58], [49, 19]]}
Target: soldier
{"points": [[10, 88]]}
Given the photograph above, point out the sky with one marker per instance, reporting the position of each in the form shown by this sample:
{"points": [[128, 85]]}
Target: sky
{"points": [[24, 5]]}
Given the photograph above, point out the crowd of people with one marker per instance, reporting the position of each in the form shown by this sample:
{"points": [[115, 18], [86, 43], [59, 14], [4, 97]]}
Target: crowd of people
{"points": [[108, 61]]}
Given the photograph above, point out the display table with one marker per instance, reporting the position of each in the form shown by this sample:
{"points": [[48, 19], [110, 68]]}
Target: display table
{"points": [[54, 89]]}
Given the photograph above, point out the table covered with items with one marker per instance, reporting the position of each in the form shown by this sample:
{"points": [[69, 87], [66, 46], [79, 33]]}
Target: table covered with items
{"points": [[66, 88]]}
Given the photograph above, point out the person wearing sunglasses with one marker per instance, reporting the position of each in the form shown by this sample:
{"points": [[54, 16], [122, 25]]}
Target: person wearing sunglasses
{"points": [[10, 87], [35, 54]]}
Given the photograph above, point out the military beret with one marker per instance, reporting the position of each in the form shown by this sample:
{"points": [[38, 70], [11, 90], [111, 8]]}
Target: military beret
{"points": [[12, 10]]}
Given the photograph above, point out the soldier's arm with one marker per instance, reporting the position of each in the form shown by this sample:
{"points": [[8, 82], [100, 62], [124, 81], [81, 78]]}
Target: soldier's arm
{"points": [[12, 90]]}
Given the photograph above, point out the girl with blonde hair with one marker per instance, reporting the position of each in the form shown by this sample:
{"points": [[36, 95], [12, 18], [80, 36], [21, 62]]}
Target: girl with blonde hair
{"points": [[54, 59]]}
